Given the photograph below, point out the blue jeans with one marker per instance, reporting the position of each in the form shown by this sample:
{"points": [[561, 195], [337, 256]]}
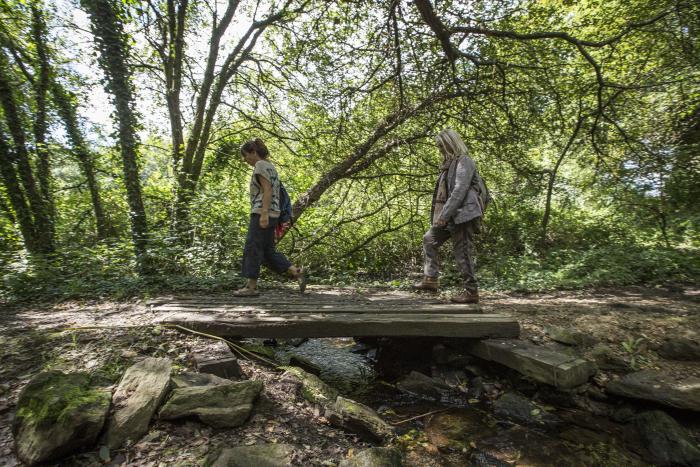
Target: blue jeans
{"points": [[260, 249]]}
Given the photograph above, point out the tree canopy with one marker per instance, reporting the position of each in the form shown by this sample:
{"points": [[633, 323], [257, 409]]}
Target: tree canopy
{"points": [[583, 117]]}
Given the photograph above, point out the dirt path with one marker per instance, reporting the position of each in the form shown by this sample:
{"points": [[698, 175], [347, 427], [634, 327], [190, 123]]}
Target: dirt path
{"points": [[42, 336]]}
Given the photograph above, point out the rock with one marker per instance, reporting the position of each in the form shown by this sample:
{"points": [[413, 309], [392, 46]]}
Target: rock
{"points": [[516, 408], [422, 385], [358, 418], [476, 388], [313, 389], [659, 387], [138, 396], [374, 457], [189, 379], [606, 359], [259, 455], [680, 348], [305, 364], [668, 443], [218, 360], [482, 459], [220, 406], [570, 336], [454, 430], [57, 414]]}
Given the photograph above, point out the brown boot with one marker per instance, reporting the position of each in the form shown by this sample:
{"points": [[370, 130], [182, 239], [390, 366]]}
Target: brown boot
{"points": [[428, 284], [467, 296]]}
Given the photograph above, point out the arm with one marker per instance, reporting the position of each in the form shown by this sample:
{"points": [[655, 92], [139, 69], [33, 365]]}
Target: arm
{"points": [[463, 180], [266, 201]]}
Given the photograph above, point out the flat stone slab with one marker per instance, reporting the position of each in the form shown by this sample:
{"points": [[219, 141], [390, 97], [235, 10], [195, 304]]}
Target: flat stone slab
{"points": [[217, 360], [346, 324], [140, 392], [655, 386], [543, 365], [259, 455], [220, 405]]}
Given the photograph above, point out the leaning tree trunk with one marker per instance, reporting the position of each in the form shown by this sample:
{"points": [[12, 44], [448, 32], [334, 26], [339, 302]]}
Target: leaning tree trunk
{"points": [[113, 48], [65, 103], [43, 229]]}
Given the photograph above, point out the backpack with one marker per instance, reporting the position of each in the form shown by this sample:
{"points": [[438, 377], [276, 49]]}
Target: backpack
{"points": [[482, 191], [285, 205]]}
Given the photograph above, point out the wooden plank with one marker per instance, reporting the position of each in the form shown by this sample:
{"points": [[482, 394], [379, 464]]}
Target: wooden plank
{"points": [[287, 299], [543, 365], [347, 325], [416, 308]]}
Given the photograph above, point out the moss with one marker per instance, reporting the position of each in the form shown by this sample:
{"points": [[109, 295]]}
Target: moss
{"points": [[53, 396], [313, 389]]}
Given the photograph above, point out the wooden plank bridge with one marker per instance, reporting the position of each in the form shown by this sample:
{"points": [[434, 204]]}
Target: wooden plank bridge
{"points": [[342, 313], [286, 314]]}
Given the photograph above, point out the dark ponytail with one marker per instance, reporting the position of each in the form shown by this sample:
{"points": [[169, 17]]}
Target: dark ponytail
{"points": [[256, 145]]}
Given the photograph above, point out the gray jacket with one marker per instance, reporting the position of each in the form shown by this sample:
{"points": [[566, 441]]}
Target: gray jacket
{"points": [[462, 203]]}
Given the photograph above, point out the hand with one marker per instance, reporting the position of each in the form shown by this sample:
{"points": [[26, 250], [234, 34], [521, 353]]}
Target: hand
{"points": [[440, 222], [264, 221]]}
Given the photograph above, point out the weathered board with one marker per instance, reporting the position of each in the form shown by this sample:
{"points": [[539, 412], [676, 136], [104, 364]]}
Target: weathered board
{"points": [[300, 324], [539, 363], [321, 307]]}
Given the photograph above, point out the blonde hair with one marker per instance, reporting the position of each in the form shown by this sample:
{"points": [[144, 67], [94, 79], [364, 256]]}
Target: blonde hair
{"points": [[452, 144]]}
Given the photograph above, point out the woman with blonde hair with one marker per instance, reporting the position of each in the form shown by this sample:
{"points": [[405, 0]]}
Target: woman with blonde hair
{"points": [[456, 212]]}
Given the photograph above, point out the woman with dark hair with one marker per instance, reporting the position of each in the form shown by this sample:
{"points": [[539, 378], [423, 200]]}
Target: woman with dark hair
{"points": [[264, 215]]}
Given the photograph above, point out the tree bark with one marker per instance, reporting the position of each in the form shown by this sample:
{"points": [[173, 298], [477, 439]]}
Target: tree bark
{"points": [[16, 197], [41, 86], [42, 224], [113, 52]]}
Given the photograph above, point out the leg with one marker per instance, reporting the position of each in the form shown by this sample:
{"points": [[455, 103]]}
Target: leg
{"points": [[273, 259], [463, 241], [432, 241], [277, 261], [253, 252]]}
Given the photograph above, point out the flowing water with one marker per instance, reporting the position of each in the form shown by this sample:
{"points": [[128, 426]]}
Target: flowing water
{"points": [[458, 430]]}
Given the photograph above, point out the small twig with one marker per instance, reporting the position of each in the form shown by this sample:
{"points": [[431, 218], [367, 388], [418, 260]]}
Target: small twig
{"points": [[238, 348], [211, 336], [419, 416]]}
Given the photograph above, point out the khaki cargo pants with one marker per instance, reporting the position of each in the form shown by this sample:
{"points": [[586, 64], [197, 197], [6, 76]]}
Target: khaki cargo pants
{"points": [[463, 244]]}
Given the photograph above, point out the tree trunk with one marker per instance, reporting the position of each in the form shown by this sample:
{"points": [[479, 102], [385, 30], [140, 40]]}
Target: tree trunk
{"points": [[552, 179], [65, 103], [41, 86], [42, 224], [113, 51], [16, 197]]}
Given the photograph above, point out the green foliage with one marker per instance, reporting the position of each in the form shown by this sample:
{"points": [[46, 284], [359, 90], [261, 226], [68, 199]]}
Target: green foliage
{"points": [[620, 189]]}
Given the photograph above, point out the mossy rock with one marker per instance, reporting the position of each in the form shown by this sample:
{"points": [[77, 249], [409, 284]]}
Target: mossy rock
{"points": [[58, 414], [358, 418], [374, 457], [219, 406], [313, 389]]}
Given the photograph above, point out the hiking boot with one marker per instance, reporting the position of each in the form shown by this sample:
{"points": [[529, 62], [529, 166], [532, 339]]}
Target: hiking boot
{"points": [[468, 296], [246, 292], [428, 284], [302, 279]]}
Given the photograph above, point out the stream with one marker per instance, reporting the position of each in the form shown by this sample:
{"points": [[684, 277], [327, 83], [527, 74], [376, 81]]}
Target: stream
{"points": [[460, 427]]}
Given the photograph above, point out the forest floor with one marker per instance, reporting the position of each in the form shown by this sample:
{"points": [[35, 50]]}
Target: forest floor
{"points": [[104, 337]]}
